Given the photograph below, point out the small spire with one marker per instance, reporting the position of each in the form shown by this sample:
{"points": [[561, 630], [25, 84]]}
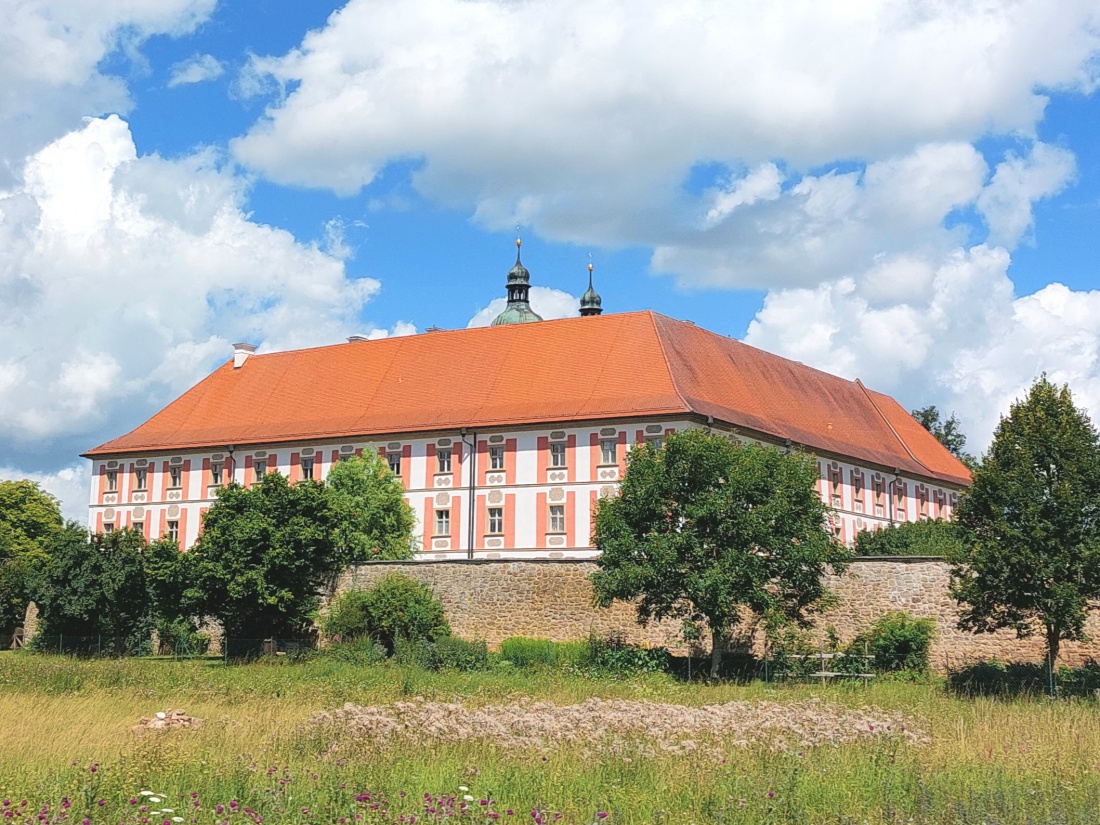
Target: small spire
{"points": [[590, 301]]}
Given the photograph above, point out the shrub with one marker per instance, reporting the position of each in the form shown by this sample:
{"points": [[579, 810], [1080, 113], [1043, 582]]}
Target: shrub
{"points": [[524, 652], [912, 538], [452, 653], [613, 655], [896, 642], [397, 607], [359, 651]]}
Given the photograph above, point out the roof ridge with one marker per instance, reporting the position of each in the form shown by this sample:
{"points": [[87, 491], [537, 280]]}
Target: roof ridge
{"points": [[886, 420], [664, 357]]}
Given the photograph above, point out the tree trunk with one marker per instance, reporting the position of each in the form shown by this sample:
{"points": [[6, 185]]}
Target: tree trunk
{"points": [[715, 651], [1054, 642]]}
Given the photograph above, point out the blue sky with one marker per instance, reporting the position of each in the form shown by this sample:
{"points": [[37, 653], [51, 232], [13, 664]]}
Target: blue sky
{"points": [[905, 193]]}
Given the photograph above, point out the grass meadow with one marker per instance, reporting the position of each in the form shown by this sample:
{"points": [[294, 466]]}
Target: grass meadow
{"points": [[418, 746]]}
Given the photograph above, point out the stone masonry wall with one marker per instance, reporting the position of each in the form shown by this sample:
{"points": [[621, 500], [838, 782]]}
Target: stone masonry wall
{"points": [[493, 600]]}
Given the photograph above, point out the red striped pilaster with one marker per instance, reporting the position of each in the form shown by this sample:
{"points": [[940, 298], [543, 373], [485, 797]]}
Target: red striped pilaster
{"points": [[431, 466], [406, 465], [540, 520], [163, 533], [510, 450], [482, 463], [99, 522], [594, 456], [543, 456], [295, 468], [248, 476], [571, 517], [480, 516], [509, 521], [183, 528], [429, 524]]}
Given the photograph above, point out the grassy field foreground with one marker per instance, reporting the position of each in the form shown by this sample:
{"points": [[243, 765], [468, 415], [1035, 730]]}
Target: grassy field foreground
{"points": [[328, 741]]}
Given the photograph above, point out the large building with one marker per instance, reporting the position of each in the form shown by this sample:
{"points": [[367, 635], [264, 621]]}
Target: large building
{"points": [[506, 436]]}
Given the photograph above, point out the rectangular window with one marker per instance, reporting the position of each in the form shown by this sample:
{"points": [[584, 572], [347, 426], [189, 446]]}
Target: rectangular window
{"points": [[112, 481], [557, 454], [394, 460], [880, 498], [557, 518], [108, 527], [442, 522], [923, 503], [216, 474], [260, 466], [443, 460], [834, 484], [174, 531], [175, 476], [496, 457], [138, 526], [307, 469], [857, 491], [609, 451], [141, 478], [496, 520], [656, 442]]}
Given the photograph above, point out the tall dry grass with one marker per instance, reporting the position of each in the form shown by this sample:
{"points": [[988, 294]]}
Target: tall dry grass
{"points": [[1019, 761]]}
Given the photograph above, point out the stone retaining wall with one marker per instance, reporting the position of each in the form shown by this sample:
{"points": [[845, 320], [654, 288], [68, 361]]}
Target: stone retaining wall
{"points": [[552, 599]]}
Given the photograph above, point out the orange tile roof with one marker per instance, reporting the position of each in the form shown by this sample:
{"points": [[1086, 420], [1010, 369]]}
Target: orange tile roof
{"points": [[577, 369]]}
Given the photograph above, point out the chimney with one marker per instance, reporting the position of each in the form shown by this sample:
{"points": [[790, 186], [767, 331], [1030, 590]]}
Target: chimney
{"points": [[241, 353], [355, 339]]}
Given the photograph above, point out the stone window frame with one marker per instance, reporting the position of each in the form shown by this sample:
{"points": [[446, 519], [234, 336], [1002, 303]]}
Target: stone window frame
{"points": [[609, 447], [496, 458], [173, 530], [442, 522], [112, 481], [555, 513], [175, 478], [216, 470], [141, 479], [444, 461], [494, 521], [307, 464], [559, 455], [393, 461]]}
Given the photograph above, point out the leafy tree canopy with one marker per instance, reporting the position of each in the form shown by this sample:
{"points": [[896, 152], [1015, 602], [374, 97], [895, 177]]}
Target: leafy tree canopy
{"points": [[708, 528], [29, 519], [96, 586], [263, 557], [913, 538], [373, 520], [1031, 523], [949, 433]]}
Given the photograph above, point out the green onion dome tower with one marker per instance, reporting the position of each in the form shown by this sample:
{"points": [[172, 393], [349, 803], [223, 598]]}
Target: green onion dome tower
{"points": [[519, 309], [590, 301]]}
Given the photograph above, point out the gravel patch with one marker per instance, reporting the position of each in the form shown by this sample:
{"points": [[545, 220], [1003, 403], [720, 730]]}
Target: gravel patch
{"points": [[608, 725]]}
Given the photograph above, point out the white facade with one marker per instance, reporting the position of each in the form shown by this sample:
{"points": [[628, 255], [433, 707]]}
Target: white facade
{"points": [[534, 489]]}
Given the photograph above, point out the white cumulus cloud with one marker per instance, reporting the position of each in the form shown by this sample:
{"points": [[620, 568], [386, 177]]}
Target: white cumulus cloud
{"points": [[545, 301], [198, 68], [50, 54], [69, 485], [124, 279]]}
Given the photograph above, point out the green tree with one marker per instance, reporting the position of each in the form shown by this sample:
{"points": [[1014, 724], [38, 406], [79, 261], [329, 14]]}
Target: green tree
{"points": [[29, 519], [949, 433], [397, 607], [928, 537], [96, 586], [373, 520], [708, 528], [1031, 523], [263, 557]]}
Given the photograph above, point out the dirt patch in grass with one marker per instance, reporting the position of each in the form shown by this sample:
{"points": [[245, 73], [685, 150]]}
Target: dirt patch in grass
{"points": [[612, 725]]}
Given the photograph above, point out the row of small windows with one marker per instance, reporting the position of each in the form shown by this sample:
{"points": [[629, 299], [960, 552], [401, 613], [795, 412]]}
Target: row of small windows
{"points": [[172, 531], [609, 455], [495, 520]]}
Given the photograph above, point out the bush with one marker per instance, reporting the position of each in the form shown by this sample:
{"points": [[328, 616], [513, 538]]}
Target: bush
{"points": [[524, 652], [179, 637], [912, 538], [613, 655], [896, 642], [452, 653], [397, 607], [360, 651]]}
